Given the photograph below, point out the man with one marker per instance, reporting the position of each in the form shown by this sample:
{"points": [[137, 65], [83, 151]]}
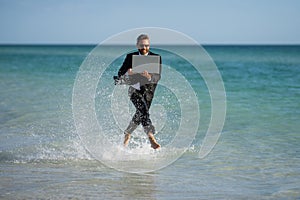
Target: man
{"points": [[140, 92]]}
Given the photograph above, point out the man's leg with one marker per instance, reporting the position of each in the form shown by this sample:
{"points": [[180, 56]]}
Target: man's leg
{"points": [[141, 116], [131, 127], [150, 130], [136, 119]]}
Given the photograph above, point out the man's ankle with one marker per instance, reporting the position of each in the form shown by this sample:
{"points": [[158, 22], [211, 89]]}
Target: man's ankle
{"points": [[126, 138], [153, 141]]}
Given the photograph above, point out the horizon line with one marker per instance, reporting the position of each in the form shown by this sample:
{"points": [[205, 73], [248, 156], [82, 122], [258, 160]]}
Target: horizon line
{"points": [[204, 44]]}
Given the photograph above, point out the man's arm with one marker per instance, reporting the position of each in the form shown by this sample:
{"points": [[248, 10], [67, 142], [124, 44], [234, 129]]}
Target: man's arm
{"points": [[126, 65]]}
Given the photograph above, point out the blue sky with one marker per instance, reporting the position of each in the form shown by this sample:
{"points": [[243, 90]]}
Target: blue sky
{"points": [[92, 21]]}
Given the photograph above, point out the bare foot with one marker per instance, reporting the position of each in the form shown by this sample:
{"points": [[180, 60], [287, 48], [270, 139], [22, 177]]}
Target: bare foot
{"points": [[126, 139], [153, 141]]}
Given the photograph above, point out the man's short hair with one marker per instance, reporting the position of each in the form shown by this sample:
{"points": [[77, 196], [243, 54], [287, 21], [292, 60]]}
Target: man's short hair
{"points": [[142, 37]]}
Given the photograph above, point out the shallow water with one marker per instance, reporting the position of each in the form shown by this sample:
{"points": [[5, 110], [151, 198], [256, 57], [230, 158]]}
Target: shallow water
{"points": [[257, 155]]}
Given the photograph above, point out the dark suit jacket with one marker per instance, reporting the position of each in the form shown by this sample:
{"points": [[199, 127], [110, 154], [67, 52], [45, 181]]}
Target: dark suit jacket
{"points": [[145, 84]]}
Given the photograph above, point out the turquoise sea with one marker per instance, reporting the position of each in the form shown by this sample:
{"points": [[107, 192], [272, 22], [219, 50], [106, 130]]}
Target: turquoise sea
{"points": [[256, 157]]}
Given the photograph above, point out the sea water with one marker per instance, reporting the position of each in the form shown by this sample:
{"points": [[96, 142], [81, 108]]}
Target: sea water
{"points": [[256, 157]]}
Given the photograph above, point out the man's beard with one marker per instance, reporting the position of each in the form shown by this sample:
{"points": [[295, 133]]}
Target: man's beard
{"points": [[143, 51]]}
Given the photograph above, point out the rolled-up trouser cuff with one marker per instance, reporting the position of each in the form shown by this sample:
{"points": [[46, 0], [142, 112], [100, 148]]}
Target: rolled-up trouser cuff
{"points": [[131, 127], [149, 128]]}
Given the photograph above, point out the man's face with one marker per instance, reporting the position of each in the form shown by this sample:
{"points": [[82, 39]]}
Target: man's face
{"points": [[143, 46]]}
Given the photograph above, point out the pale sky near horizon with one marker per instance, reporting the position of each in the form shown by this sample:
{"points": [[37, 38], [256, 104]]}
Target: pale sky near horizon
{"points": [[92, 21]]}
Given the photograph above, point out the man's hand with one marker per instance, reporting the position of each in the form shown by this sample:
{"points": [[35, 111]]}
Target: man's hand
{"points": [[129, 71], [146, 74]]}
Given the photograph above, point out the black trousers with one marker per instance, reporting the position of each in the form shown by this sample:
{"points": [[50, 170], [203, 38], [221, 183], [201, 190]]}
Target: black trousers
{"points": [[141, 100]]}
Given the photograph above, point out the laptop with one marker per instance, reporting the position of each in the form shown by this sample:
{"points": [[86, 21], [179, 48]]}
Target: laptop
{"points": [[150, 63]]}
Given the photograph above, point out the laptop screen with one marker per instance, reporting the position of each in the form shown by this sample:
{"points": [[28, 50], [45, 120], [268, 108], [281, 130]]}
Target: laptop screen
{"points": [[148, 63]]}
